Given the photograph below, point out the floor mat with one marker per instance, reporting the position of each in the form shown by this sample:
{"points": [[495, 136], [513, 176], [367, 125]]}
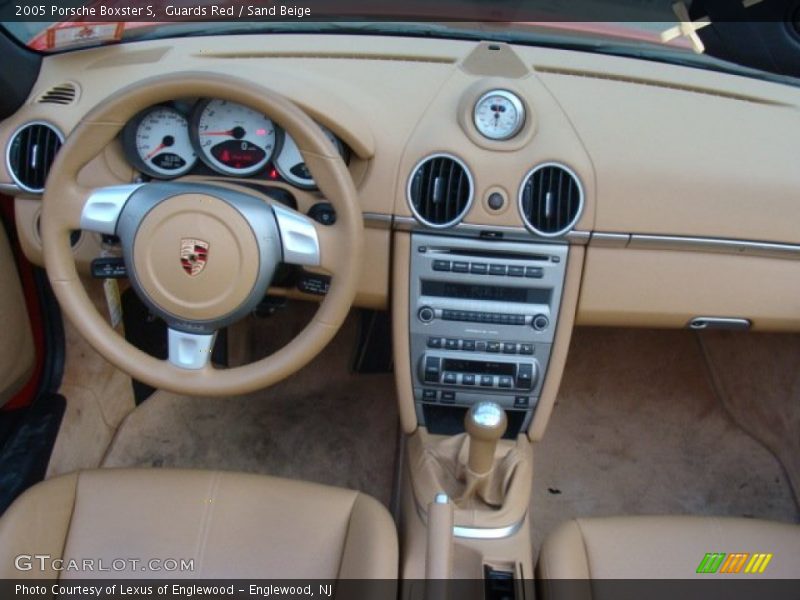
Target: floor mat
{"points": [[323, 424], [639, 430], [758, 380]]}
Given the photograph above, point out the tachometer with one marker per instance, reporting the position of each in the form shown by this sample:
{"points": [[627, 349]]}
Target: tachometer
{"points": [[232, 138], [157, 143], [290, 164]]}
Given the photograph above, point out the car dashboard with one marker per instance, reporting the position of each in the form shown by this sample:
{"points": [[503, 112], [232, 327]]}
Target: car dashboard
{"points": [[509, 192]]}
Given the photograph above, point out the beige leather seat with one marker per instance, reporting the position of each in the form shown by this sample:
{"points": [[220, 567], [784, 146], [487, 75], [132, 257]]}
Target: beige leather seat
{"points": [[231, 525], [664, 547]]}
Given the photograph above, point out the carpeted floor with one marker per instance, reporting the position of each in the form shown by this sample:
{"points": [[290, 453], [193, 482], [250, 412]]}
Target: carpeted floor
{"points": [[638, 430], [323, 424], [639, 427]]}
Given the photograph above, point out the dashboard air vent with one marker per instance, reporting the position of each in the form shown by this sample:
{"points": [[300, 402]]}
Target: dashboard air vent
{"points": [[550, 199], [440, 191], [64, 93], [30, 154]]}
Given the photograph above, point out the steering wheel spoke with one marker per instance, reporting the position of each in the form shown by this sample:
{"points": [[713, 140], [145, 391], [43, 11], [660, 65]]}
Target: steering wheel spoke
{"points": [[103, 206], [190, 351], [299, 239]]}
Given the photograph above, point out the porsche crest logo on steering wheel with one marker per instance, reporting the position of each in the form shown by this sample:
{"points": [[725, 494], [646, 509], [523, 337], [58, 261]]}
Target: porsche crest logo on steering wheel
{"points": [[194, 255]]}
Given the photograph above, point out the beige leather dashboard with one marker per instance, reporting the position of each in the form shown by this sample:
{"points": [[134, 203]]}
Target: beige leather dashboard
{"points": [[692, 192]]}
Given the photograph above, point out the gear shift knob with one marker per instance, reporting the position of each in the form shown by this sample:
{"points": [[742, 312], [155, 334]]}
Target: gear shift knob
{"points": [[485, 424]]}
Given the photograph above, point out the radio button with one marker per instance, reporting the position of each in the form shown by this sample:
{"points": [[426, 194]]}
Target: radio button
{"points": [[540, 322], [526, 348], [450, 378], [468, 345], [505, 381], [429, 395], [487, 381], [497, 269], [493, 346], [519, 319], [525, 376], [468, 379], [449, 397], [514, 271], [534, 272], [509, 348], [451, 344], [426, 314], [480, 346], [441, 265], [460, 267], [479, 268], [432, 369], [434, 342]]}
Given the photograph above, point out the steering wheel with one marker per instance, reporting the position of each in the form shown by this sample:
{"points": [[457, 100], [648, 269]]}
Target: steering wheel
{"points": [[200, 256]]}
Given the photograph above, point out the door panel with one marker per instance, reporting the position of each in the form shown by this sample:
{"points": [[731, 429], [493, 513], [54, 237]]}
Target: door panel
{"points": [[17, 353]]}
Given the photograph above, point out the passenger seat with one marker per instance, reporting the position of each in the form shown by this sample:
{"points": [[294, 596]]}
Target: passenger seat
{"points": [[673, 547]]}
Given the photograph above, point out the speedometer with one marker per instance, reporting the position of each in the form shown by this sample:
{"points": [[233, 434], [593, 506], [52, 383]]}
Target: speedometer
{"points": [[157, 143], [232, 138]]}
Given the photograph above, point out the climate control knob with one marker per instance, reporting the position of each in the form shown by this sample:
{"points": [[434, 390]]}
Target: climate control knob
{"points": [[540, 322], [426, 314]]}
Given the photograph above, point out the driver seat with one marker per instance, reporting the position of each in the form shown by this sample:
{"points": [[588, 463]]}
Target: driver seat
{"points": [[231, 525]]}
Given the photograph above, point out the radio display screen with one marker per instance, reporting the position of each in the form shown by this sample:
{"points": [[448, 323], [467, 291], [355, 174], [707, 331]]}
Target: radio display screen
{"points": [[479, 367], [495, 293]]}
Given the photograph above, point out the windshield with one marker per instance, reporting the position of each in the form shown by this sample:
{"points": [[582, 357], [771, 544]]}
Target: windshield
{"points": [[667, 31]]}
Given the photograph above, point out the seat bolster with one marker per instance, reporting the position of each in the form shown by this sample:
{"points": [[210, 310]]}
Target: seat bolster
{"points": [[563, 554], [37, 523], [370, 546]]}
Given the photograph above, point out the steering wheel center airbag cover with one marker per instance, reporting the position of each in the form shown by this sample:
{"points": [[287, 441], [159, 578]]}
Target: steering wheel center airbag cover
{"points": [[199, 256]]}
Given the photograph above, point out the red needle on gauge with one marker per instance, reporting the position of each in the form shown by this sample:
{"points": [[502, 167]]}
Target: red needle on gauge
{"points": [[155, 151]]}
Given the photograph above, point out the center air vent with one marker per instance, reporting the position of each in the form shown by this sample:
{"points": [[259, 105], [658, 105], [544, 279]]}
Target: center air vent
{"points": [[30, 154], [550, 199], [440, 191]]}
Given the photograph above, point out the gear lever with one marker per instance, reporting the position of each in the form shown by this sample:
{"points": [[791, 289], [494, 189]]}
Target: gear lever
{"points": [[485, 424]]}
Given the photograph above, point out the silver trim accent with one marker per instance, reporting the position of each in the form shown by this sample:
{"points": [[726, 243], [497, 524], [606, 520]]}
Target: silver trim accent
{"points": [[378, 220], [581, 199], [475, 533], [190, 351], [700, 323], [100, 212], [299, 240], [487, 533], [510, 233], [470, 200], [609, 240], [703, 244], [518, 105], [11, 173]]}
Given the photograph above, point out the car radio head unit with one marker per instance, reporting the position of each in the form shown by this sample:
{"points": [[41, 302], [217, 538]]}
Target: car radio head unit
{"points": [[482, 319]]}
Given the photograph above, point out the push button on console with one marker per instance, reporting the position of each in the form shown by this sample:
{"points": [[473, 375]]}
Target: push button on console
{"points": [[497, 269], [514, 271], [451, 344], [479, 268], [524, 376], [493, 346], [434, 342], [468, 379], [460, 267], [487, 381], [505, 381], [441, 265]]}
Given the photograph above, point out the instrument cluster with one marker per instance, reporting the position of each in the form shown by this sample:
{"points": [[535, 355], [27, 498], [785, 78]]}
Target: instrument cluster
{"points": [[218, 136]]}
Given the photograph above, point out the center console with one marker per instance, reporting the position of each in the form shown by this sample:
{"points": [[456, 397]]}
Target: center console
{"points": [[482, 317]]}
